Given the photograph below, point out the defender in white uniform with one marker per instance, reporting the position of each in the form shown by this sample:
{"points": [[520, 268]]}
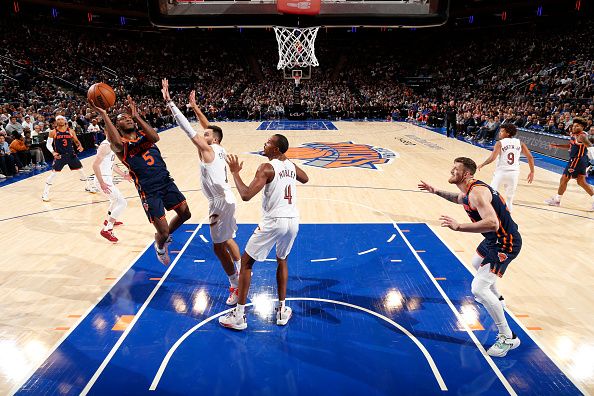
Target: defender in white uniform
{"points": [[279, 225], [507, 171], [216, 189], [103, 166]]}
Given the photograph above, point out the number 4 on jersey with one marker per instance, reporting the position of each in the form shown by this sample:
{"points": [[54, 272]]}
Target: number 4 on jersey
{"points": [[288, 195]]}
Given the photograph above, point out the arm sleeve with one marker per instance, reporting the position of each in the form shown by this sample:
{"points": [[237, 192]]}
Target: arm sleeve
{"points": [[181, 120], [49, 144]]}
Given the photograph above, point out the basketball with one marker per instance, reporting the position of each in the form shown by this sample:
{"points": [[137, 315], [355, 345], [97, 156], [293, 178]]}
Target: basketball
{"points": [[102, 95]]}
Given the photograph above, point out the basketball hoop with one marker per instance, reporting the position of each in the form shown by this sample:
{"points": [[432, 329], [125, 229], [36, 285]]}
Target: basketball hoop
{"points": [[296, 47]]}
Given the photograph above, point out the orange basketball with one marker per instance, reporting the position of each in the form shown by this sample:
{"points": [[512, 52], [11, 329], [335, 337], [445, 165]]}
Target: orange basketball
{"points": [[102, 94]]}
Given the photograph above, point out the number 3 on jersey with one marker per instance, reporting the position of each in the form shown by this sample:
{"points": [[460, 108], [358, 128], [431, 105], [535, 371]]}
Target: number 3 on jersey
{"points": [[288, 195], [148, 158]]}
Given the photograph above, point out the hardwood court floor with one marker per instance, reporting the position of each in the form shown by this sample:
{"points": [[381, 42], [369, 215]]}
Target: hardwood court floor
{"points": [[55, 266]]}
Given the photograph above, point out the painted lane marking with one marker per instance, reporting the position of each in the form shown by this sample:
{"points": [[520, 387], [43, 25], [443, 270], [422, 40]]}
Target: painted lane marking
{"points": [[425, 352]]}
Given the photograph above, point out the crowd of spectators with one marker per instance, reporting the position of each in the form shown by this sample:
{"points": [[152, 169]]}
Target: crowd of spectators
{"points": [[540, 79]]}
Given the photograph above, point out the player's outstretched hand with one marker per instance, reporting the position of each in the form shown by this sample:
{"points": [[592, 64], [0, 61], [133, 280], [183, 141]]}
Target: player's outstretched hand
{"points": [[192, 98], [96, 108], [447, 221], [105, 188], [234, 165], [165, 90], [426, 187], [530, 177], [132, 107]]}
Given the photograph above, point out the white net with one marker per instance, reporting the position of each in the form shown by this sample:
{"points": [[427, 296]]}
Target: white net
{"points": [[296, 46]]}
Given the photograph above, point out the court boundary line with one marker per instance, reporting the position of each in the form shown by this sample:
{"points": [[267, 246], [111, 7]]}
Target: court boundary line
{"points": [[424, 351], [511, 314], [137, 316], [545, 208], [479, 346], [16, 388]]}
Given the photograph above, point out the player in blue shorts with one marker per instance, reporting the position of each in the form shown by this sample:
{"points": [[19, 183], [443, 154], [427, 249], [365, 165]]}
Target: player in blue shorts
{"points": [[136, 148], [490, 216], [578, 162]]}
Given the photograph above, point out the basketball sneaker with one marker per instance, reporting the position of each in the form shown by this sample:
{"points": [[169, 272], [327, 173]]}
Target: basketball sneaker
{"points": [[553, 201], [92, 189], [117, 223], [503, 345], [233, 296], [283, 316], [164, 256], [233, 320], [109, 236], [45, 197]]}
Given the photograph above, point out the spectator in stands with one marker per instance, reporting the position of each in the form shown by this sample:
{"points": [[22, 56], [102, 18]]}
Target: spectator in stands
{"points": [[20, 151], [95, 129], [27, 123], [13, 126], [35, 152], [7, 165]]}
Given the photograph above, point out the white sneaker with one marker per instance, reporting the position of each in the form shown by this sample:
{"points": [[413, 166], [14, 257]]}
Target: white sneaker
{"points": [[83, 179], [503, 345], [233, 320], [2, 176], [92, 189], [553, 201], [233, 296], [163, 257], [45, 197], [282, 317]]}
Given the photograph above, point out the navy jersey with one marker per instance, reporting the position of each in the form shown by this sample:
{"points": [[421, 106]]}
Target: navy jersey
{"points": [[576, 149], [63, 142], [508, 229], [147, 168]]}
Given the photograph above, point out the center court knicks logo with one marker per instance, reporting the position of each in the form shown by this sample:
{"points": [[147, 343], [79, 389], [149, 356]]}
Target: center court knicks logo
{"points": [[342, 155]]}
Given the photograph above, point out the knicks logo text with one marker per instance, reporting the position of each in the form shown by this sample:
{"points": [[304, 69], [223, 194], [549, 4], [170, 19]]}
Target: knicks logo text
{"points": [[341, 155]]}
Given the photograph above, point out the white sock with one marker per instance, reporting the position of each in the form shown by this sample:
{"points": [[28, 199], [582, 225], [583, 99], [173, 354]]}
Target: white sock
{"points": [[240, 309], [558, 197], [48, 182], [108, 226], [281, 305], [160, 250], [81, 174], [234, 280], [237, 265]]}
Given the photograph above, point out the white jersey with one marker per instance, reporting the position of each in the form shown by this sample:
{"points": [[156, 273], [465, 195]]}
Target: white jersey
{"points": [[509, 157], [214, 176], [106, 165], [280, 195]]}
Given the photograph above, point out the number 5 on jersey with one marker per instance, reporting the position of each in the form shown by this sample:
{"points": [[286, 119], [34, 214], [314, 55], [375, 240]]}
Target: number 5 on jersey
{"points": [[148, 158]]}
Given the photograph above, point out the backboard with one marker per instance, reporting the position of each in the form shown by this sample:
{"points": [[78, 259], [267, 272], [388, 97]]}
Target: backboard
{"points": [[263, 13]]}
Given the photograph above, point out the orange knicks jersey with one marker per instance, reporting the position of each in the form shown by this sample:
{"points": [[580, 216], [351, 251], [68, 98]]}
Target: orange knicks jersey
{"points": [[147, 168]]}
